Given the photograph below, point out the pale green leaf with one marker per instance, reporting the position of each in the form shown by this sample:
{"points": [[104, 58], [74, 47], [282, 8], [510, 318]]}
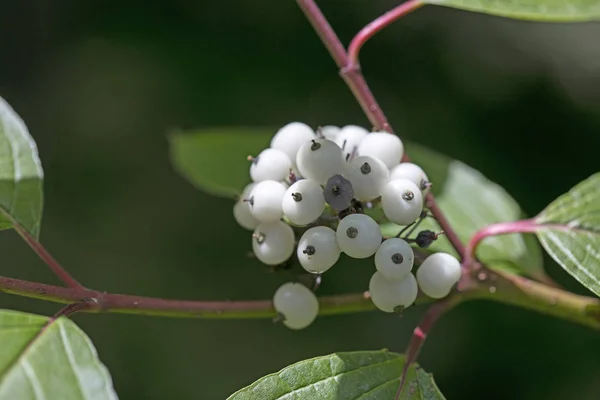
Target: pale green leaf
{"points": [[49, 362], [21, 175], [571, 232], [537, 10], [360, 375], [215, 160]]}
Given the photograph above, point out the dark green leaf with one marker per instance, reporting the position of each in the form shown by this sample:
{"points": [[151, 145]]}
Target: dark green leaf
{"points": [[364, 375], [57, 361], [537, 10], [215, 160], [571, 232], [21, 175]]}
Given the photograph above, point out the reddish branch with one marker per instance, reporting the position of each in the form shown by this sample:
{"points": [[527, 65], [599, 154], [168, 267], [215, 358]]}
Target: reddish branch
{"points": [[352, 75], [95, 301], [377, 25], [419, 335], [54, 265]]}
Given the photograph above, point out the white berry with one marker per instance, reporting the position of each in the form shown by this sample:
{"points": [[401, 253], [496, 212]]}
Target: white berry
{"points": [[394, 259], [265, 200], [303, 202], [241, 210], [349, 137], [270, 164], [368, 176], [358, 235], [298, 305], [402, 201], [273, 243], [329, 132], [319, 160], [318, 249], [291, 137], [413, 173], [384, 146], [389, 295], [438, 274]]}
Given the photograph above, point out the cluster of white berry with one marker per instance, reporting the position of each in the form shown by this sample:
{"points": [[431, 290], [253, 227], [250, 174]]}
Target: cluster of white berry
{"points": [[317, 180]]}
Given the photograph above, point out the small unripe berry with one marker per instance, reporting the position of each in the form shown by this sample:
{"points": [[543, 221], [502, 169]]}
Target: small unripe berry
{"points": [[413, 173], [265, 200], [368, 176], [298, 305], [303, 202], [394, 259], [318, 249], [402, 201], [241, 210], [438, 274], [384, 146], [389, 296], [273, 243], [358, 235], [349, 137], [329, 132], [319, 160], [291, 137], [270, 164]]}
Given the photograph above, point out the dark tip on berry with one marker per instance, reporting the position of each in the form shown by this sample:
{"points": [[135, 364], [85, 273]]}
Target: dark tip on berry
{"points": [[365, 168], [279, 318], [408, 195], [260, 237], [352, 232], [424, 184], [399, 309], [297, 196], [315, 146], [250, 200], [309, 250], [253, 159], [397, 258]]}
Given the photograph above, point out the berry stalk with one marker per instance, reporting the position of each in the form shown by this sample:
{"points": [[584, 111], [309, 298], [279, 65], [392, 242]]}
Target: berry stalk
{"points": [[352, 75]]}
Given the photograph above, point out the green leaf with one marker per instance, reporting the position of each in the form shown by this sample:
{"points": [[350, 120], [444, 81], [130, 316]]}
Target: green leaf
{"points": [[215, 161], [470, 202], [56, 361], [364, 375], [536, 10], [21, 175], [571, 232]]}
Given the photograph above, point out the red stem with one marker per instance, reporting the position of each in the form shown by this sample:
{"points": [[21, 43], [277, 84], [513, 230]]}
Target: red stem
{"points": [[419, 335], [54, 265], [350, 72], [88, 300], [377, 25], [505, 228]]}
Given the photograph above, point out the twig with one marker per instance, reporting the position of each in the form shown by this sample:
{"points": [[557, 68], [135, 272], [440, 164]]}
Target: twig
{"points": [[97, 301], [377, 25], [353, 77], [54, 265], [420, 334]]}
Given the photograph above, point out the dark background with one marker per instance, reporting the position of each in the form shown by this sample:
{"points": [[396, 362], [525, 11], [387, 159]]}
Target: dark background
{"points": [[100, 83]]}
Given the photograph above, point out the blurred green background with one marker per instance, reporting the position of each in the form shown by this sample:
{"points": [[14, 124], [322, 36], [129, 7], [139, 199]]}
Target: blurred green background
{"points": [[100, 83]]}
